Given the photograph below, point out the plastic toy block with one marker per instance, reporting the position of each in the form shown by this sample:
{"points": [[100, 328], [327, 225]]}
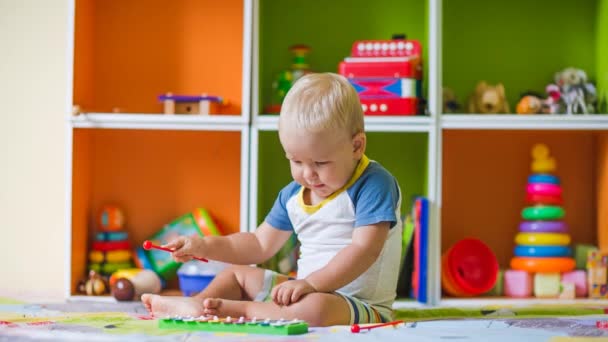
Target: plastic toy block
{"points": [[546, 285], [268, 327], [498, 288], [580, 254], [567, 291], [517, 283], [579, 279]]}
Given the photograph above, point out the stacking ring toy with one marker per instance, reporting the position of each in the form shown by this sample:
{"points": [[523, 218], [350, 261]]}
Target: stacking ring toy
{"points": [[543, 178], [542, 239], [542, 251], [543, 227], [548, 265], [542, 212], [544, 189], [543, 199]]}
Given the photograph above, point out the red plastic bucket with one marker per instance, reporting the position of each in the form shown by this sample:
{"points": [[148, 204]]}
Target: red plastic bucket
{"points": [[471, 267]]}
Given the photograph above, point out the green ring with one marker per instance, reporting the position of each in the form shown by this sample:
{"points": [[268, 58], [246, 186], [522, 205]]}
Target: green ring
{"points": [[543, 212]]}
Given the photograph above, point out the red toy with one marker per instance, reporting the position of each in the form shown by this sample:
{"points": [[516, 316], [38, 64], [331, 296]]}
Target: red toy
{"points": [[387, 75], [148, 245], [355, 328]]}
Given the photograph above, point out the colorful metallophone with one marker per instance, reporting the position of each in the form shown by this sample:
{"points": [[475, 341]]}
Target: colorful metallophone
{"points": [[241, 325]]}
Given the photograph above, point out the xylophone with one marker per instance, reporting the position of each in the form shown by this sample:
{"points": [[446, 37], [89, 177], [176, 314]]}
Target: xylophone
{"points": [[241, 325]]}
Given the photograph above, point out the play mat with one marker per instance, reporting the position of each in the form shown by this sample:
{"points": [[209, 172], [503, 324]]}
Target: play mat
{"points": [[94, 321]]}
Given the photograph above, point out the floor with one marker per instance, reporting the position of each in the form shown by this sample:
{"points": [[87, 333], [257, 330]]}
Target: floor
{"points": [[91, 321]]}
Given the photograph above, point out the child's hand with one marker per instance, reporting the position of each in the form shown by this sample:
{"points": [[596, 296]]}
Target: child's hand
{"points": [[291, 291], [185, 247]]}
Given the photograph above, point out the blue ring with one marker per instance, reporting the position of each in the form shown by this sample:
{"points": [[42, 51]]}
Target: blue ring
{"points": [[111, 236], [543, 178], [542, 251]]}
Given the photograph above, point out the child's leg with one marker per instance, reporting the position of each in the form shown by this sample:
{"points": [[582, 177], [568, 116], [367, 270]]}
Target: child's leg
{"points": [[234, 283], [318, 309]]}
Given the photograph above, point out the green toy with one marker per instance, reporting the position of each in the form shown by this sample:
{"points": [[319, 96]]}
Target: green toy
{"points": [[197, 222], [285, 79], [268, 327]]}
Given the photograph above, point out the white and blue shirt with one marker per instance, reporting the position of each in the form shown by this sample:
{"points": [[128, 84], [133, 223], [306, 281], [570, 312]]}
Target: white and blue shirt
{"points": [[371, 196]]}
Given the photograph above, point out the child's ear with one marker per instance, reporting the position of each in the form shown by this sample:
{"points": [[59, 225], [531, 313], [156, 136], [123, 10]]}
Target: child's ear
{"points": [[359, 143]]}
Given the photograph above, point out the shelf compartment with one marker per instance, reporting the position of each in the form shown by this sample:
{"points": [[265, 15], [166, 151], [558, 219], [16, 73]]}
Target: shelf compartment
{"points": [[128, 53], [283, 24], [155, 177], [484, 179], [524, 54], [409, 166], [531, 122]]}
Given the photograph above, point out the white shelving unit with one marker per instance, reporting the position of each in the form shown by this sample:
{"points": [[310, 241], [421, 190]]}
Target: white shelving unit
{"points": [[251, 123]]}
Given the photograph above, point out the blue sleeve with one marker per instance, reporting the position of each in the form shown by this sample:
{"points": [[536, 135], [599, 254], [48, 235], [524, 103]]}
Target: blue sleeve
{"points": [[278, 216], [376, 197]]}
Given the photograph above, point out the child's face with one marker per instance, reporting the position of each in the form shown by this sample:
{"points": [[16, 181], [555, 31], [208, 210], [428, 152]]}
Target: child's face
{"points": [[322, 162]]}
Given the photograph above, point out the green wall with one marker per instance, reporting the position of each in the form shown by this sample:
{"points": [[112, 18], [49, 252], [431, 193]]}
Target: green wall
{"points": [[408, 165], [521, 43], [329, 28]]}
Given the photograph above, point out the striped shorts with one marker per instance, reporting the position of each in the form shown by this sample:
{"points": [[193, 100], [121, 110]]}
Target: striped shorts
{"points": [[360, 311]]}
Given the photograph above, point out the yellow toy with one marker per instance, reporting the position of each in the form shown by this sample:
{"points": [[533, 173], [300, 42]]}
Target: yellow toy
{"points": [[542, 162]]}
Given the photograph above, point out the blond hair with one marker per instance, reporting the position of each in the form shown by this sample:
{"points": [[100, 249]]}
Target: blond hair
{"points": [[321, 101]]}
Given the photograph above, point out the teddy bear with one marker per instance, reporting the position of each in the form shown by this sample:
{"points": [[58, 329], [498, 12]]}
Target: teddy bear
{"points": [[488, 99]]}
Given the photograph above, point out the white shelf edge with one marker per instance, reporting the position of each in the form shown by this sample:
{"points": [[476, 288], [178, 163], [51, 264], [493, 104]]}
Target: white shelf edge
{"points": [[159, 121], [531, 122], [504, 301], [391, 123]]}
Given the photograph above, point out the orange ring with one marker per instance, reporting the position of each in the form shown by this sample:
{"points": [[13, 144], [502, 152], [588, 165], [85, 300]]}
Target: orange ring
{"points": [[543, 264]]}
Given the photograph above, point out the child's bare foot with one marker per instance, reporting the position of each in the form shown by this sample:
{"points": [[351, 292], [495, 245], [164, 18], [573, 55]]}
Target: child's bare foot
{"points": [[160, 306], [224, 307]]}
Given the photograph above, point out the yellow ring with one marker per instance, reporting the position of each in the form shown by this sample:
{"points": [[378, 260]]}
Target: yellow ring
{"points": [[542, 239]]}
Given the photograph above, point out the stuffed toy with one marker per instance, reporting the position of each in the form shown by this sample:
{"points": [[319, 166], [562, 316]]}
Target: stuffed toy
{"points": [[488, 99], [577, 93], [450, 103], [529, 104]]}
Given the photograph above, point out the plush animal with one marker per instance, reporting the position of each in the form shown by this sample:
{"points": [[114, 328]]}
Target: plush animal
{"points": [[450, 103], [529, 104], [578, 95], [488, 99]]}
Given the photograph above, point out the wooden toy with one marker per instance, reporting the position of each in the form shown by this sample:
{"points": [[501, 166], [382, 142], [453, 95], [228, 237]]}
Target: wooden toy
{"points": [[356, 328], [149, 245], [253, 326], [579, 279], [186, 104], [546, 285], [517, 283], [597, 272]]}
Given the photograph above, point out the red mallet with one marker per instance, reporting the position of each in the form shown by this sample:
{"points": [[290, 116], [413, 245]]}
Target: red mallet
{"points": [[149, 245], [355, 328]]}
